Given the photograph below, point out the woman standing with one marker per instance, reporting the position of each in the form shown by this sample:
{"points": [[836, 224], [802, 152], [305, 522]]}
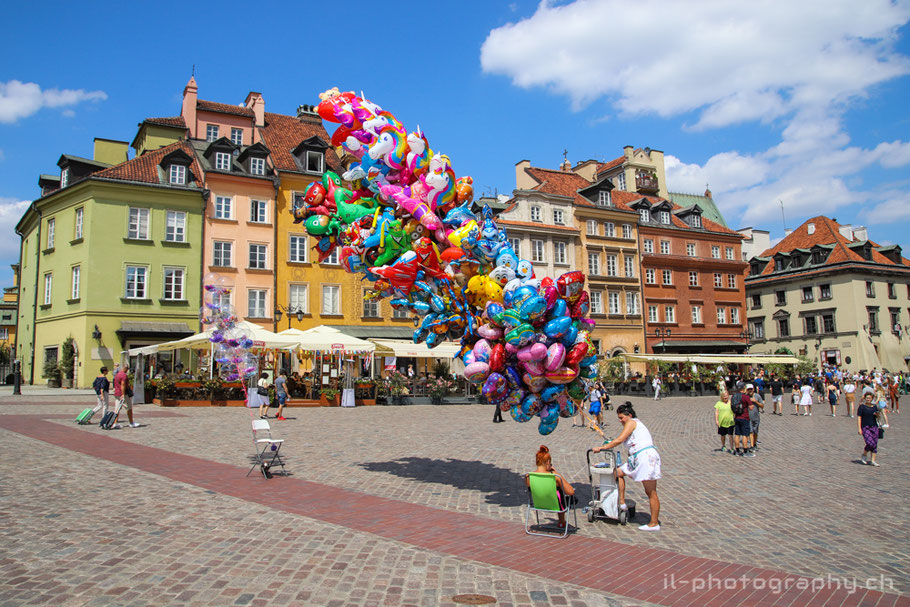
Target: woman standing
{"points": [[832, 391], [642, 465], [893, 399], [262, 394], [867, 426], [850, 394], [723, 419]]}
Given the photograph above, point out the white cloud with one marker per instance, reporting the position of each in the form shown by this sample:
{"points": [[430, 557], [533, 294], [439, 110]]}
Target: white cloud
{"points": [[889, 207], [11, 211], [22, 99]]}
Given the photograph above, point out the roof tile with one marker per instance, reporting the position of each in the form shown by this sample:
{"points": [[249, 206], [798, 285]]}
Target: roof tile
{"points": [[144, 168], [176, 121], [223, 108], [283, 133]]}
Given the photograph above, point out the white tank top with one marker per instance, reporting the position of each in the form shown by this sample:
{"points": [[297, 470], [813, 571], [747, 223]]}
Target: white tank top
{"points": [[639, 439]]}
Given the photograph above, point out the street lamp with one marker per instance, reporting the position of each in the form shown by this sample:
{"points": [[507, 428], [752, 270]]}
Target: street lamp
{"points": [[747, 335], [664, 333], [289, 311]]}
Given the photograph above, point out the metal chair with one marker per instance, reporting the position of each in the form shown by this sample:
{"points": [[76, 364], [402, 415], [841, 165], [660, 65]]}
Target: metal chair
{"points": [[265, 446], [544, 498]]}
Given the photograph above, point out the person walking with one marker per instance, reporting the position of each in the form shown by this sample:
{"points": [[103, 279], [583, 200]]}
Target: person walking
{"points": [[281, 393], [832, 393], [723, 419], [795, 395], [893, 395], [755, 406], [102, 387], [777, 395], [642, 464], [867, 425], [596, 405], [742, 427], [806, 398], [123, 392], [262, 395], [656, 385], [850, 394]]}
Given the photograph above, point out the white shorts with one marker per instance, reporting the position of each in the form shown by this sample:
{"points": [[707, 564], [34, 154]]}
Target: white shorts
{"points": [[125, 402], [778, 398], [644, 467]]}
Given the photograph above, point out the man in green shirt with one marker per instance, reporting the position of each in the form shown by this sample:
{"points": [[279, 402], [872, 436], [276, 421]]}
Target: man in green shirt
{"points": [[723, 418]]}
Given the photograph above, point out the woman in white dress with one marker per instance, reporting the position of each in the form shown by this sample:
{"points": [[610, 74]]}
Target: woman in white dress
{"points": [[806, 398], [642, 464]]}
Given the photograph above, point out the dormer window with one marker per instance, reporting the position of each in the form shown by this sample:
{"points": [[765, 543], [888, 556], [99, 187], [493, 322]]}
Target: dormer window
{"points": [[222, 161], [696, 221], [64, 178], [236, 136], [211, 132], [645, 215], [535, 213], [665, 217], [257, 166], [603, 198], [177, 174], [314, 161], [779, 264]]}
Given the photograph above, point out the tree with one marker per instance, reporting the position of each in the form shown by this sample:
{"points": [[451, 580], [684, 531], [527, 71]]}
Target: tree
{"points": [[68, 357], [5, 354]]}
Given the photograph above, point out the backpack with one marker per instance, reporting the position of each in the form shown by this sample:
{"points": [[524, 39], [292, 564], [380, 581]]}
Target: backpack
{"points": [[98, 384], [736, 404]]}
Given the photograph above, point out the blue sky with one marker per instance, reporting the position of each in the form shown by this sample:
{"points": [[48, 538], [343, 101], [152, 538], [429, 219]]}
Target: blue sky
{"points": [[805, 104]]}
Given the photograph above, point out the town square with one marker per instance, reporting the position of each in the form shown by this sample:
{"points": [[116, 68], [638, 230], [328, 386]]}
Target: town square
{"points": [[583, 303]]}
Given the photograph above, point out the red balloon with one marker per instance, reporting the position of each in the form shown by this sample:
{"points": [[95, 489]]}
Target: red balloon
{"points": [[498, 357], [578, 352], [570, 285]]}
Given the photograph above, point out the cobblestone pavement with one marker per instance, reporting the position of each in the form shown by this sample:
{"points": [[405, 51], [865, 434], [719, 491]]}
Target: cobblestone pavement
{"points": [[802, 506]]}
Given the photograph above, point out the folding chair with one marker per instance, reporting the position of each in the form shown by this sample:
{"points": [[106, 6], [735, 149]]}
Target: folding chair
{"points": [[544, 498], [265, 445]]}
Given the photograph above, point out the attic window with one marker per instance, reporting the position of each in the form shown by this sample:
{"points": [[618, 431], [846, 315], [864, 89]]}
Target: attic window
{"points": [[695, 221], [314, 161], [665, 217], [818, 257], [177, 174], [257, 166], [603, 198], [64, 178], [645, 214], [779, 264], [222, 161]]}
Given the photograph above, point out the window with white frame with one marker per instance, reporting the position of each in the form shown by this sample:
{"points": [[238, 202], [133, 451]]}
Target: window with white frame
{"points": [[693, 278], [757, 328], [721, 315], [603, 198], [259, 211], [645, 215], [729, 252], [80, 219], [664, 247], [535, 213], [715, 251], [299, 298], [370, 307], [138, 227], [516, 245], [76, 276], [594, 264], [173, 283], [177, 174], [718, 280], [696, 221], [626, 230], [64, 178], [632, 304], [696, 315], [48, 287], [537, 250], [648, 245], [597, 304], [592, 227], [314, 161], [610, 229], [650, 276], [558, 217], [734, 316], [331, 300], [559, 252], [613, 301], [223, 161], [136, 282], [222, 253], [258, 255], [652, 314], [175, 226], [211, 132], [669, 313], [629, 266], [665, 217], [731, 281], [667, 277], [256, 300], [331, 260], [257, 166], [297, 248], [400, 312], [224, 207], [611, 265], [237, 136], [620, 181], [51, 229], [690, 249]]}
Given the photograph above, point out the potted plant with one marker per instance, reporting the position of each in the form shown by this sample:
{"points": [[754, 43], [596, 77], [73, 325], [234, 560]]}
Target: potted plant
{"points": [[439, 388], [67, 360], [329, 396], [398, 387], [213, 388], [52, 373], [165, 391]]}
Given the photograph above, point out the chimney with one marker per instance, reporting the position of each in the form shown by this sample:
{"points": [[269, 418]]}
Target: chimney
{"points": [[255, 102], [523, 181], [707, 191], [846, 231], [627, 150], [110, 151], [787, 232], [810, 227], [188, 110], [860, 233], [566, 166]]}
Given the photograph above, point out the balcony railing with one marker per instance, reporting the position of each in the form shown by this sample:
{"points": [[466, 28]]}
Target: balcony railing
{"points": [[646, 183]]}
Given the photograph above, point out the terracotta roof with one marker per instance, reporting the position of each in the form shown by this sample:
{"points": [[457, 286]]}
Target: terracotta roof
{"points": [[536, 224], [144, 168], [567, 184], [175, 121], [283, 133], [627, 198], [827, 232], [610, 165], [223, 108]]}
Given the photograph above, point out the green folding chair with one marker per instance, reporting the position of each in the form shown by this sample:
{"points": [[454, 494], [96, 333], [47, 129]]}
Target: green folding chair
{"points": [[544, 498]]}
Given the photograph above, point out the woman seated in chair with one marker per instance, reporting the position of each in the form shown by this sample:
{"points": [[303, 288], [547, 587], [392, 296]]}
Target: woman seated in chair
{"points": [[563, 489]]}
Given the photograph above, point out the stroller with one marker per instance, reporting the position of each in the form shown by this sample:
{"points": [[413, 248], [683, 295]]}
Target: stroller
{"points": [[604, 504]]}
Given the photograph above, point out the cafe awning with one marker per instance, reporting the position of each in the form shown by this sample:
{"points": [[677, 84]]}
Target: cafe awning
{"points": [[715, 359], [408, 349], [328, 340]]}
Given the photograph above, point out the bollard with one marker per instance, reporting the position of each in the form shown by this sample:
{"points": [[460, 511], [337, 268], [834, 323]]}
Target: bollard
{"points": [[17, 377]]}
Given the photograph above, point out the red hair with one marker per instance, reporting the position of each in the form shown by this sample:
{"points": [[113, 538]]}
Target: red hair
{"points": [[543, 456]]}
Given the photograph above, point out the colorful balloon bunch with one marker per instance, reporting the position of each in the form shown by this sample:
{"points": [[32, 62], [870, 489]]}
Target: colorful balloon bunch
{"points": [[406, 223], [231, 346]]}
